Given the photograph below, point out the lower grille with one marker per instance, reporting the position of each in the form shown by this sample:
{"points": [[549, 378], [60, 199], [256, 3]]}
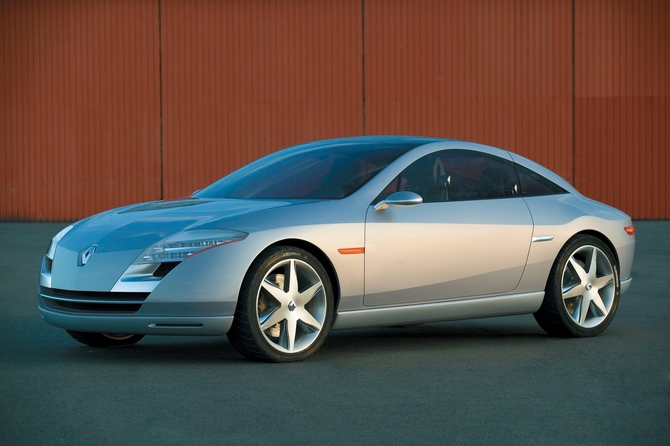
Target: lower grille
{"points": [[92, 301]]}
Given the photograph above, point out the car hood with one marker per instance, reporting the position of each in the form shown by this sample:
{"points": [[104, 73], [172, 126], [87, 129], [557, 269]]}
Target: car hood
{"points": [[141, 225], [121, 235]]}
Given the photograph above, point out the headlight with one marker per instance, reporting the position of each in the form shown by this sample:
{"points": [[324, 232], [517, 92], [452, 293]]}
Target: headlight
{"points": [[185, 244], [54, 241]]}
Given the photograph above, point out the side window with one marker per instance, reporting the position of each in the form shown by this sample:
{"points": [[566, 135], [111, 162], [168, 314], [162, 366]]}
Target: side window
{"points": [[533, 184], [478, 176], [457, 175]]}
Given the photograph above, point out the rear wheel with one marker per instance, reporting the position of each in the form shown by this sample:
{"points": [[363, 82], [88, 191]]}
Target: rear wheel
{"points": [[105, 339], [582, 292], [285, 307]]}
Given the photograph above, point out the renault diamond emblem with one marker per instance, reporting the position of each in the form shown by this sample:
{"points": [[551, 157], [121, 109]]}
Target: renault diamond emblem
{"points": [[86, 254]]}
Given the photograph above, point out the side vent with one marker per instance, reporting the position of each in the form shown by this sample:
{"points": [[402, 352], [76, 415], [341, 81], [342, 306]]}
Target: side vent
{"points": [[164, 268]]}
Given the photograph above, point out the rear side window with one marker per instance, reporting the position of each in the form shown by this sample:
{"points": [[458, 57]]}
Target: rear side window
{"points": [[534, 184]]}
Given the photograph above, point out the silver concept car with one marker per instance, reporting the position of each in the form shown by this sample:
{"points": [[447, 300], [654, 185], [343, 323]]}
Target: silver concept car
{"points": [[344, 233]]}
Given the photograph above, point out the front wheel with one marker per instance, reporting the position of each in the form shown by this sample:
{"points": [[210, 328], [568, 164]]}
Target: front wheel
{"points": [[105, 339], [285, 307], [582, 292]]}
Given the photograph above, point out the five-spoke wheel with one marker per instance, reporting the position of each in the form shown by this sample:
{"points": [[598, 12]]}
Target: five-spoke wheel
{"points": [[582, 292], [285, 308]]}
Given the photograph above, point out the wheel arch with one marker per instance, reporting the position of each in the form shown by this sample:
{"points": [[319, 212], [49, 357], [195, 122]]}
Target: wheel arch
{"points": [[321, 257], [603, 238]]}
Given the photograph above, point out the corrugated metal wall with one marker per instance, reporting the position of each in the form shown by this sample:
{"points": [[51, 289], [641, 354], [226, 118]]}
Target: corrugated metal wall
{"points": [[622, 105], [495, 72], [79, 107], [108, 103], [242, 79]]}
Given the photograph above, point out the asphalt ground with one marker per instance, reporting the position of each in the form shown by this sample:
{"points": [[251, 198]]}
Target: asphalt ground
{"points": [[488, 381]]}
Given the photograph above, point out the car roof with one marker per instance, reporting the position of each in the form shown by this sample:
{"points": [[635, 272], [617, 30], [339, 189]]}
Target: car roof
{"points": [[374, 139]]}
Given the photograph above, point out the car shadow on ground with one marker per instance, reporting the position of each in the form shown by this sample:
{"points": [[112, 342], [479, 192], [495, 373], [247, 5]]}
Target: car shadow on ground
{"points": [[439, 338]]}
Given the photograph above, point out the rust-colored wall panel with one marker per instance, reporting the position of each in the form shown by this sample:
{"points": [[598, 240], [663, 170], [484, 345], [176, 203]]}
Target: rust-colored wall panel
{"points": [[79, 123], [622, 105], [494, 72], [242, 79], [112, 102]]}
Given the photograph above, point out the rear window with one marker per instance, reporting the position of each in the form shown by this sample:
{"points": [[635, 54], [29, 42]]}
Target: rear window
{"points": [[533, 184]]}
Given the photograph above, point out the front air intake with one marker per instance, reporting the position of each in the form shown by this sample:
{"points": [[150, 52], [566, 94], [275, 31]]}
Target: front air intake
{"points": [[92, 301]]}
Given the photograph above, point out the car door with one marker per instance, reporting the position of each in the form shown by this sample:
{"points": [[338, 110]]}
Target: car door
{"points": [[469, 237]]}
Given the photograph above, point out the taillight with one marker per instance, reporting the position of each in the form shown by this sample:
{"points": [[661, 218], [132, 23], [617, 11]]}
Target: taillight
{"points": [[630, 230]]}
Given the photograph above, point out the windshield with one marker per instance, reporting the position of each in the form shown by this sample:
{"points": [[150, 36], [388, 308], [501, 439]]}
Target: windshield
{"points": [[311, 171]]}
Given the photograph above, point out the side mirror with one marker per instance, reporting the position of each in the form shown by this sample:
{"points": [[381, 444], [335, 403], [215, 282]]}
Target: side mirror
{"points": [[405, 198]]}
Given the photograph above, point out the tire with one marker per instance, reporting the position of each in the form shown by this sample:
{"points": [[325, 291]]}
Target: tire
{"points": [[582, 293], [105, 340], [278, 320]]}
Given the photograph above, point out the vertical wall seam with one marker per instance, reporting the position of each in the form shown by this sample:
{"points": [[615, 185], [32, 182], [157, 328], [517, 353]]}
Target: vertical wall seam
{"points": [[160, 96], [574, 99], [363, 65]]}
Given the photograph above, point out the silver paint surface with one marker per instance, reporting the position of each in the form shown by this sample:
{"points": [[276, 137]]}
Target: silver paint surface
{"points": [[422, 263]]}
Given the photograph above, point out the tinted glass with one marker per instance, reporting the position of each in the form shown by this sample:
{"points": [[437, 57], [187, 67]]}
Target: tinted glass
{"points": [[310, 172], [533, 184], [457, 175]]}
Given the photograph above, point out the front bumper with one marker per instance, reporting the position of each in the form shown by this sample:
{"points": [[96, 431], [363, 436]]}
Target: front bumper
{"points": [[134, 324], [132, 313]]}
